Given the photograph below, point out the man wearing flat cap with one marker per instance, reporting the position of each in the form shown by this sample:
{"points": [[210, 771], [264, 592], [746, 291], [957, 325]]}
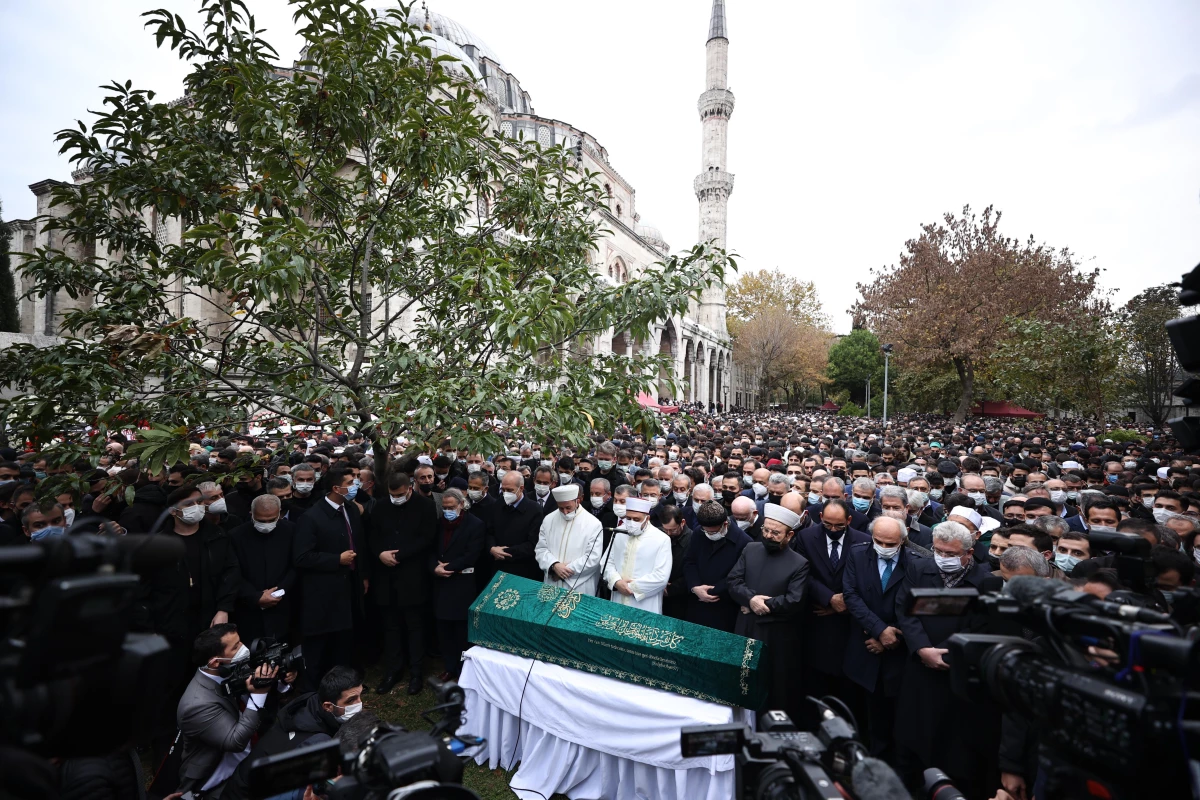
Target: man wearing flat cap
{"points": [[570, 544], [768, 583]]}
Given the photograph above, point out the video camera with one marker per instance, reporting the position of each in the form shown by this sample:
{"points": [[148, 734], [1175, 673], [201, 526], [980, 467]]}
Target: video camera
{"points": [[780, 762], [1105, 684], [391, 763], [69, 665], [263, 652]]}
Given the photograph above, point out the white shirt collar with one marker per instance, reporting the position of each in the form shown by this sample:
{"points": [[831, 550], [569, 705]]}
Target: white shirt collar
{"points": [[336, 507]]}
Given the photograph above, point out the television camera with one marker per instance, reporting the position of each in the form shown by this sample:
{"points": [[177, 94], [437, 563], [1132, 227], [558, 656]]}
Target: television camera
{"points": [[265, 651], [392, 763]]}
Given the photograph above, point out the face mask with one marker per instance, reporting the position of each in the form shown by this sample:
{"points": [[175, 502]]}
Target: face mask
{"points": [[1024, 454], [1072, 497], [349, 711], [1161, 515], [813, 498], [1018, 481], [993, 561], [631, 527], [1058, 496], [696, 506], [538, 454], [598, 502], [896, 513], [1130, 465], [1111, 478], [242, 654], [1066, 562], [69, 516], [1196, 555], [473, 467], [7, 481], [1148, 502], [1102, 529], [772, 546], [303, 487], [316, 474], [441, 476], [544, 462], [861, 504], [747, 481], [680, 497], [398, 501], [192, 515], [500, 473], [41, 476], [759, 490], [45, 533], [265, 527], [450, 515], [604, 465], [979, 497], [352, 492], [887, 552], [569, 515], [948, 563], [217, 506], [510, 498], [716, 537], [619, 510], [541, 490], [935, 494], [475, 494], [743, 523]]}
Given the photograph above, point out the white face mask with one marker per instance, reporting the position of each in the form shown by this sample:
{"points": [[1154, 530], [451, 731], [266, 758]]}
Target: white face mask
{"points": [[242, 654], [303, 487], [696, 506], [510, 498], [896, 513], [1058, 496], [217, 506], [744, 523], [715, 537], [541, 490], [948, 563], [398, 501], [265, 527], [349, 711], [680, 497], [619, 510], [598, 502], [632, 527], [887, 552], [1102, 528], [473, 467], [569, 515], [1161, 515], [475, 494], [759, 490], [192, 515], [69, 516], [979, 497], [500, 473], [1130, 465], [1148, 502]]}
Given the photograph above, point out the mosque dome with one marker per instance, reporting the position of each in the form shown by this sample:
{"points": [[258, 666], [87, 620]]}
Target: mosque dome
{"points": [[446, 28], [652, 235]]}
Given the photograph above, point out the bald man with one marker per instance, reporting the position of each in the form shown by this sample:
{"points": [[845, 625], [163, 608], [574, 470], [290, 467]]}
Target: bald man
{"points": [[744, 514]]}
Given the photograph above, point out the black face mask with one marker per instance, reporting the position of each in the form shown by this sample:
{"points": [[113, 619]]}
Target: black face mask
{"points": [[285, 506], [1018, 481], [835, 535], [426, 488], [994, 561], [773, 498], [773, 547]]}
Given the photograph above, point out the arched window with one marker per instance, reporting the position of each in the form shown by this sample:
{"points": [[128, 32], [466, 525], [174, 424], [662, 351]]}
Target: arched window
{"points": [[618, 209]]}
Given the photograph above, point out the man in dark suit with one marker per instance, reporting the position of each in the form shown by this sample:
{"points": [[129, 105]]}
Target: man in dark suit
{"points": [[544, 479], [875, 653], [328, 538], [400, 537], [215, 734], [893, 502], [715, 548], [514, 533], [263, 548], [458, 543], [935, 727], [826, 621], [676, 594]]}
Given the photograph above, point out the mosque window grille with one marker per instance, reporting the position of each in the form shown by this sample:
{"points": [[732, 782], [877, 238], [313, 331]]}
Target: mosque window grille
{"points": [[544, 137], [506, 128]]}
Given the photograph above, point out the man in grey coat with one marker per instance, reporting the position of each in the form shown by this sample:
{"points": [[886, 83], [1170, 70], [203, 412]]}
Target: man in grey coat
{"points": [[215, 730]]}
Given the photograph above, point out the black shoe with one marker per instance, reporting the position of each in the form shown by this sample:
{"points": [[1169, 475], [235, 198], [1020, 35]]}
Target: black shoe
{"points": [[416, 684], [389, 681]]}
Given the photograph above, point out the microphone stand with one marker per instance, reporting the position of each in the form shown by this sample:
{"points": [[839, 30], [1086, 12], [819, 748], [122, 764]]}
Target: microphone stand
{"points": [[602, 586]]}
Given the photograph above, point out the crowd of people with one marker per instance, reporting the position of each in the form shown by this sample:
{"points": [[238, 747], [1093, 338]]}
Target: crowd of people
{"points": [[807, 532]]}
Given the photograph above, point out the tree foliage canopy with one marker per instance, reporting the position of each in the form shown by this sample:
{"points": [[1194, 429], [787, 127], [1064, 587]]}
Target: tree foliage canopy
{"points": [[786, 355], [940, 304], [1150, 359], [755, 291], [358, 249], [853, 359]]}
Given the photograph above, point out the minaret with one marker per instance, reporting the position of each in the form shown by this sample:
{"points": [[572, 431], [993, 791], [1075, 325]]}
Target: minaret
{"points": [[714, 185]]}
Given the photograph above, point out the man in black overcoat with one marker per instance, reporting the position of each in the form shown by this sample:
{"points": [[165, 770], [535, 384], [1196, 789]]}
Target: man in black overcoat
{"points": [[264, 554], [714, 550], [459, 540]]}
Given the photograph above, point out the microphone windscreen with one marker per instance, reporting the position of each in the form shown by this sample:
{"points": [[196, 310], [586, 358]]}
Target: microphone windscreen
{"points": [[873, 779], [1027, 589]]}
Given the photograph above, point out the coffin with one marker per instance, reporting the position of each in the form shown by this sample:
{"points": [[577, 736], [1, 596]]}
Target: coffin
{"points": [[552, 624]]}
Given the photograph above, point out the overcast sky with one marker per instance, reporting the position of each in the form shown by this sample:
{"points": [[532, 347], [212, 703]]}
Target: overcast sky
{"points": [[855, 121]]}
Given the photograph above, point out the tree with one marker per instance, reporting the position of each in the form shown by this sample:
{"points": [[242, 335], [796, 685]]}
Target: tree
{"points": [[1072, 365], [852, 360], [10, 319], [359, 250], [784, 355], [755, 291], [938, 304], [1150, 359]]}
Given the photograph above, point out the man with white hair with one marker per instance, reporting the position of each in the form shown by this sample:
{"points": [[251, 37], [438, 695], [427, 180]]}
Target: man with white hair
{"points": [[638, 563], [744, 514], [570, 544], [935, 727]]}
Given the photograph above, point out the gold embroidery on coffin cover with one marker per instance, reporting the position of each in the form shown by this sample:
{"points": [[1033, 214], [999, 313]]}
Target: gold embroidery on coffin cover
{"points": [[655, 637], [593, 669], [507, 599], [491, 591], [567, 602]]}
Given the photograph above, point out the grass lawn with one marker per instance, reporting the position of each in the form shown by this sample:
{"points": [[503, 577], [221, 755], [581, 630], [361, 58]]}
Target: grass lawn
{"points": [[397, 706]]}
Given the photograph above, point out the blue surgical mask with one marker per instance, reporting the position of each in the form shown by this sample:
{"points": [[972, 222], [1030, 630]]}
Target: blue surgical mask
{"points": [[450, 515], [813, 498], [1111, 478], [41, 476], [52, 530], [861, 504], [1065, 561], [352, 491], [935, 494]]}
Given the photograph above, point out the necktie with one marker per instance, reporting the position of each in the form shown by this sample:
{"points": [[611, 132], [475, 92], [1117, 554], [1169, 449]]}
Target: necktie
{"points": [[349, 533], [887, 571], [833, 554]]}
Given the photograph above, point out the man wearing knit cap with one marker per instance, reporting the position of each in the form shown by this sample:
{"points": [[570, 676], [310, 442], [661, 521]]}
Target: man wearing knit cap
{"points": [[570, 544], [638, 564], [768, 583]]}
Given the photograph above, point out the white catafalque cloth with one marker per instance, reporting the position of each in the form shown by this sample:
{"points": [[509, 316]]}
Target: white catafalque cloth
{"points": [[587, 736]]}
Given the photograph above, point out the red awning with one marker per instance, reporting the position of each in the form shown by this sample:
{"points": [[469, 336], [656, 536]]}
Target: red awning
{"points": [[829, 406], [1003, 408], [646, 401]]}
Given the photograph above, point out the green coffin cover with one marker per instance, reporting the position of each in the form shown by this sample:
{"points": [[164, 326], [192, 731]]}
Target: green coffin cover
{"points": [[552, 624]]}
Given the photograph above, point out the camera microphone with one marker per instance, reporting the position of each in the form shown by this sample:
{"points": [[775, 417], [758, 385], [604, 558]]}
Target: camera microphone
{"points": [[938, 785], [1028, 589], [873, 779]]}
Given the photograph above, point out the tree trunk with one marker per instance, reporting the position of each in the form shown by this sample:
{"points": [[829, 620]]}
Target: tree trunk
{"points": [[966, 377]]}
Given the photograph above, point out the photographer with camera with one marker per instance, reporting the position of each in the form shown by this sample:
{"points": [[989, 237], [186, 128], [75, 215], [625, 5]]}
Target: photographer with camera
{"points": [[933, 726], [215, 732]]}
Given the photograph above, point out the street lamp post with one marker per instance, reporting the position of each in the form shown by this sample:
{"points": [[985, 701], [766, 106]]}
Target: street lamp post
{"points": [[887, 353], [868, 409]]}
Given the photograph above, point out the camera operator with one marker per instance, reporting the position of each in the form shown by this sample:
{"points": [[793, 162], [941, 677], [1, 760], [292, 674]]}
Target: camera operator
{"points": [[933, 726], [215, 732], [310, 718]]}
